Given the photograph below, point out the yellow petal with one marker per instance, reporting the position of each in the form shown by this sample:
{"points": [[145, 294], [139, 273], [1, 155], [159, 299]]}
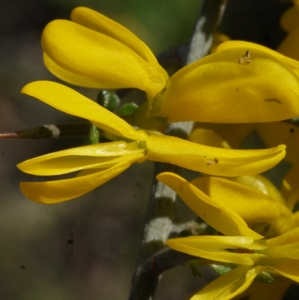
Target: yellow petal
{"points": [[208, 137], [211, 160], [289, 237], [75, 159], [230, 284], [219, 89], [289, 45], [280, 251], [289, 19], [251, 205], [219, 248], [100, 23], [282, 225], [276, 133], [88, 53], [292, 63], [233, 134], [290, 189], [296, 3], [56, 191], [287, 267], [69, 101], [261, 184], [263, 290], [222, 219], [69, 76]]}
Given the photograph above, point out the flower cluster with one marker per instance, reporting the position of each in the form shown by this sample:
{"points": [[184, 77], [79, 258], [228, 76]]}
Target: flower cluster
{"points": [[240, 82], [261, 232], [99, 163], [245, 207], [94, 51]]}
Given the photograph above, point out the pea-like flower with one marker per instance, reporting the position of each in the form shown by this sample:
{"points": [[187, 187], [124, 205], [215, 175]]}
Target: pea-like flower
{"points": [[241, 82], [234, 209], [271, 134], [99, 163], [247, 201], [278, 256]]}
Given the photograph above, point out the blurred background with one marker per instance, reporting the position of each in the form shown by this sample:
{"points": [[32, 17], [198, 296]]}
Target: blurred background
{"points": [[86, 248]]}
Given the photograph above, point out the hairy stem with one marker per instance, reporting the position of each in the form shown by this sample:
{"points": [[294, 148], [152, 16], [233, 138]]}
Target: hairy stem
{"points": [[158, 219]]}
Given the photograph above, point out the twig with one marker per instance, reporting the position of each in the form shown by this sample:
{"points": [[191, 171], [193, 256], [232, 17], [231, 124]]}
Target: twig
{"points": [[158, 220]]}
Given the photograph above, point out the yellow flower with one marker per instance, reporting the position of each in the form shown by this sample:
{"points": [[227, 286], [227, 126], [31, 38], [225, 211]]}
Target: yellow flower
{"points": [[290, 23], [99, 163], [278, 256], [225, 87], [271, 134], [94, 51], [230, 207], [250, 201], [220, 88]]}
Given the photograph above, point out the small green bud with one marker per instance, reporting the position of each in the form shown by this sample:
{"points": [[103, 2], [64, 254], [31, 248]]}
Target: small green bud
{"points": [[109, 100], [127, 109]]}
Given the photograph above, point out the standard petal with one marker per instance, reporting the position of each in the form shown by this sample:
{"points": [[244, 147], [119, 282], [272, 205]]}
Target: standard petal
{"points": [[221, 90], [89, 53], [100, 23], [292, 63], [211, 160], [69, 76], [230, 284], [69, 101], [67, 161], [56, 191], [219, 248], [251, 205], [219, 217]]}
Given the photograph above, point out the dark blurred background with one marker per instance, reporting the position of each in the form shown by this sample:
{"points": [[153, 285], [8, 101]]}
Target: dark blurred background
{"points": [[86, 248]]}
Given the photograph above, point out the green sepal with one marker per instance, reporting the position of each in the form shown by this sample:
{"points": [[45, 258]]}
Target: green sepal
{"points": [[109, 100], [265, 277], [127, 109], [94, 134], [221, 269]]}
